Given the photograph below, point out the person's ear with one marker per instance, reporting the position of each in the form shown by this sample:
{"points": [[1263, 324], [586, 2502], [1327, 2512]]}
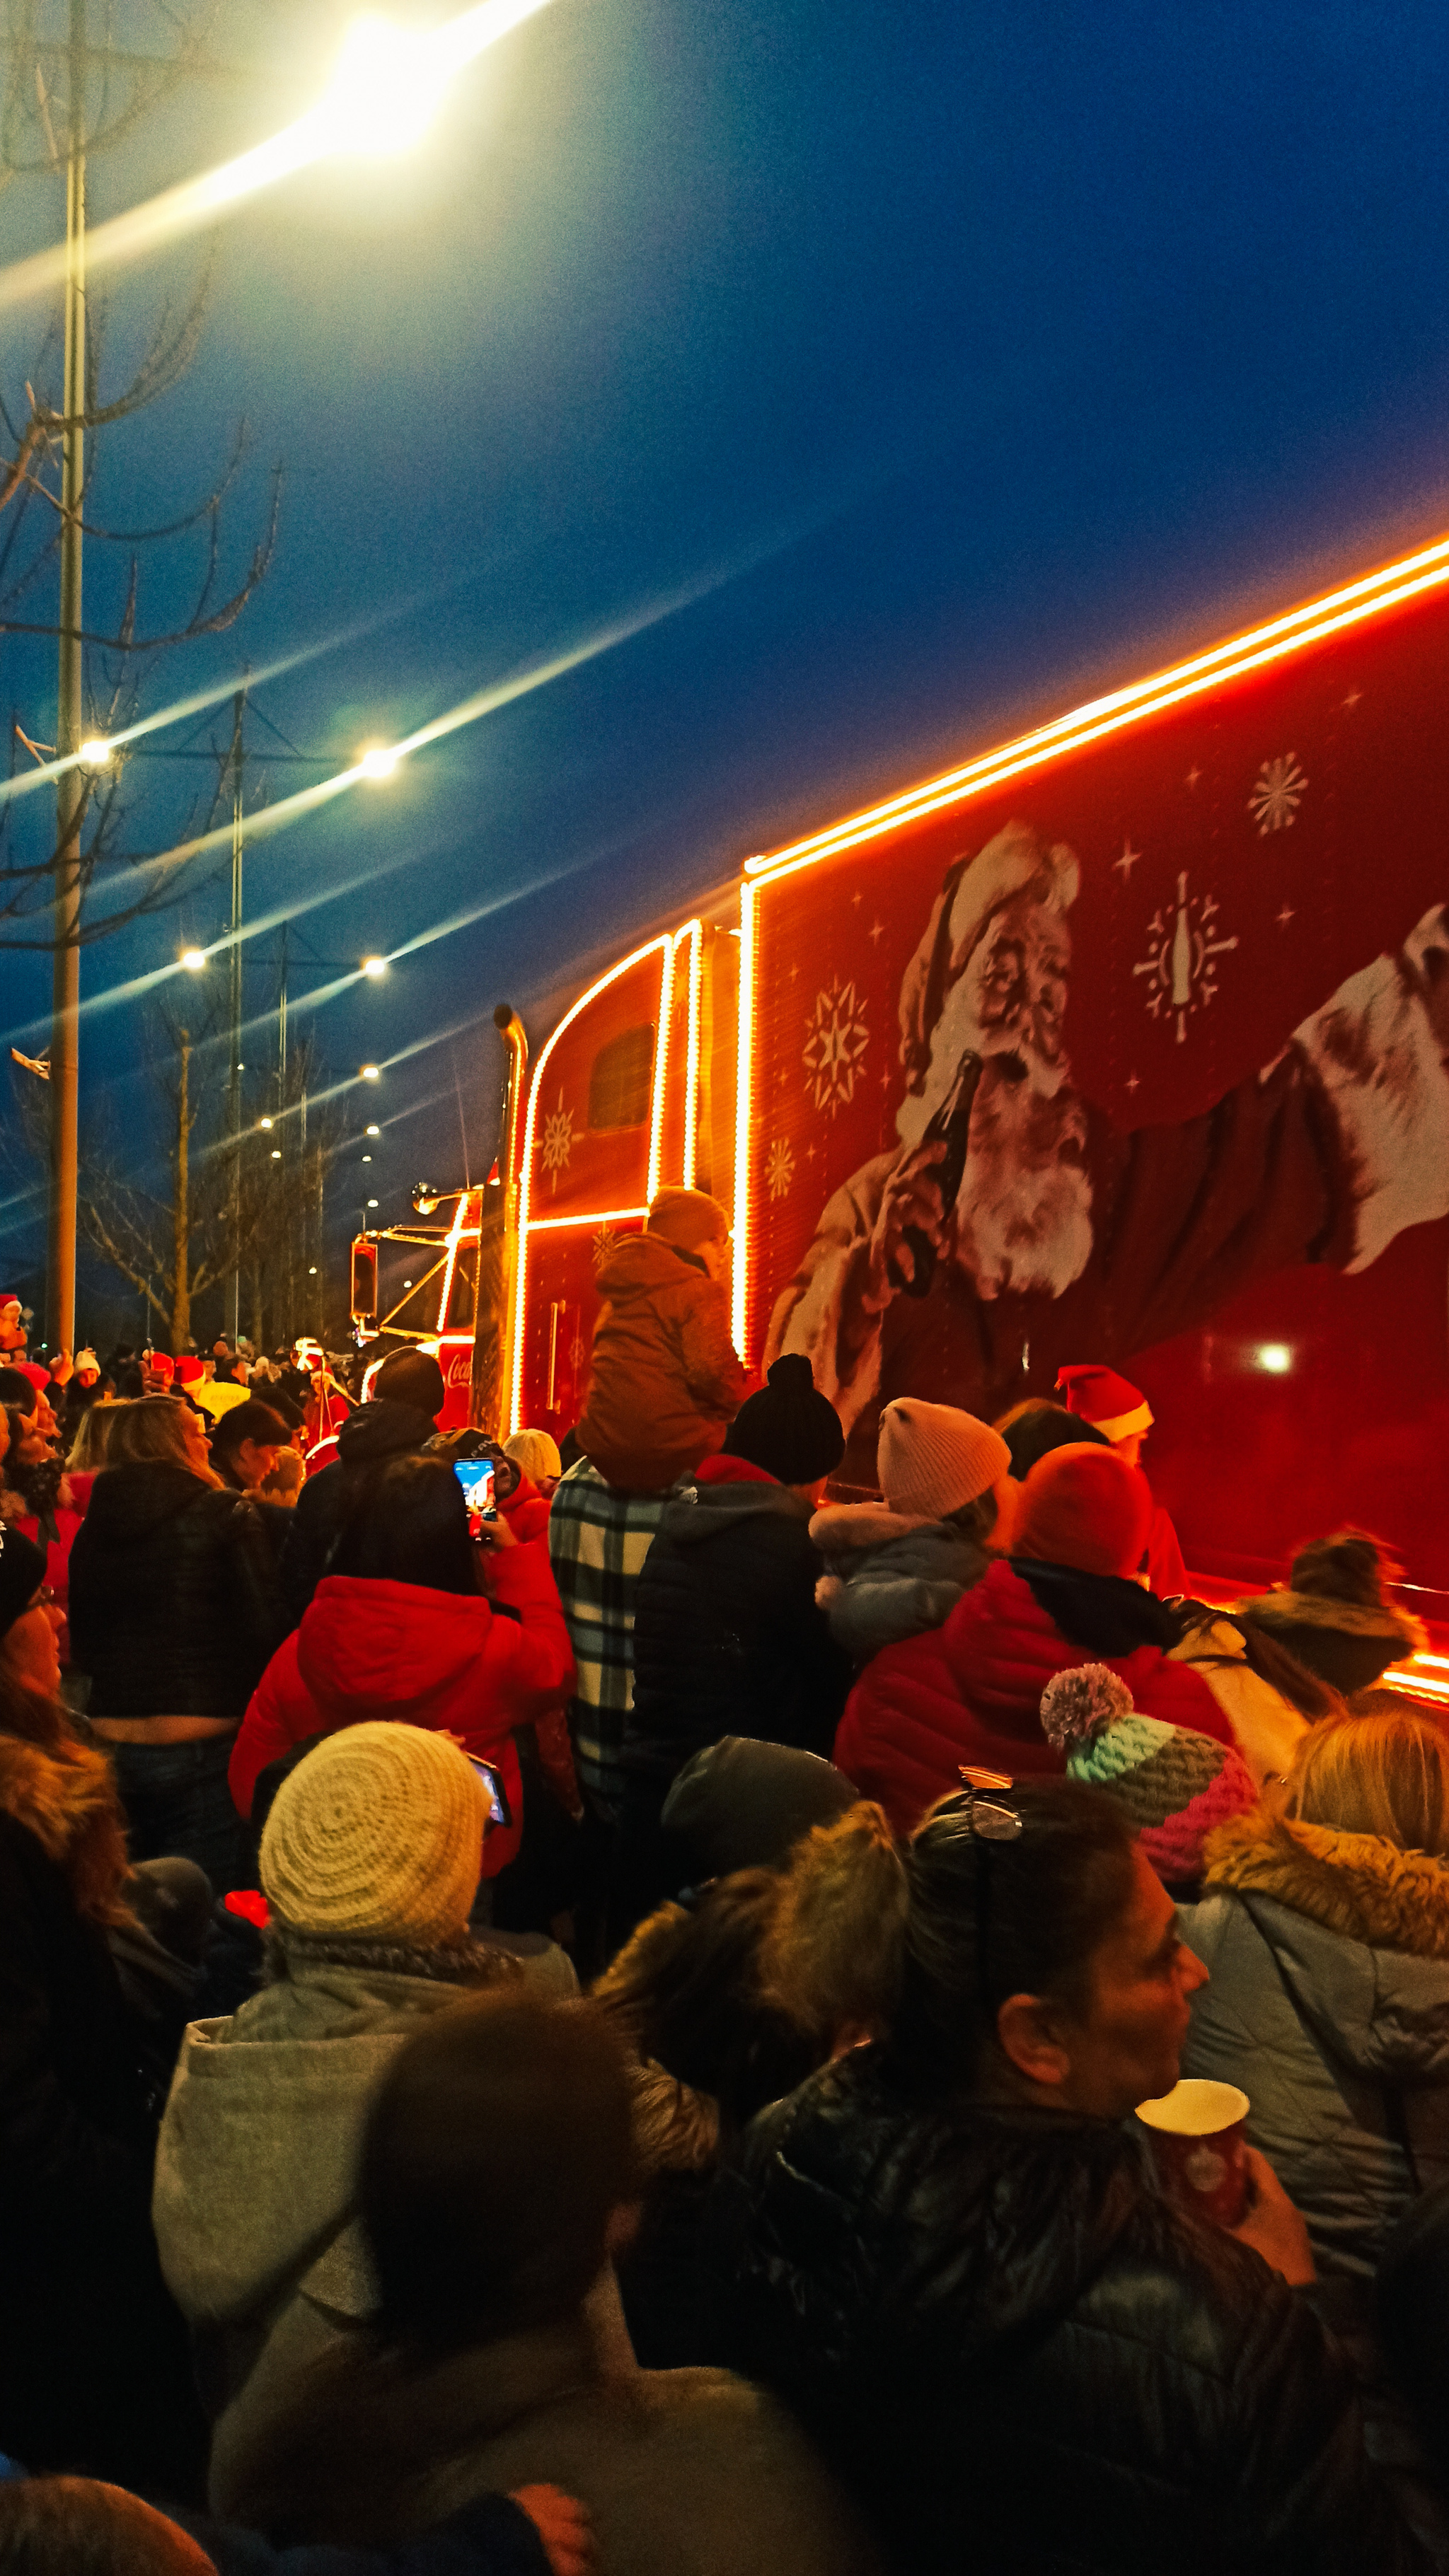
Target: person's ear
{"points": [[1030, 2035]]}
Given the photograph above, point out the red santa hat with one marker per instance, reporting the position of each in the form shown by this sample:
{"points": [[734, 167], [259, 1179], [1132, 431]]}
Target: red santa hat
{"points": [[1110, 1403], [1016, 861], [7, 1301], [188, 1370], [39, 1377], [1084, 1507], [160, 1363]]}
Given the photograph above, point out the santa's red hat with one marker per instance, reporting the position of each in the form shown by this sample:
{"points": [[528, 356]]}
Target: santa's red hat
{"points": [[161, 1364], [1110, 1403], [8, 1300], [188, 1370], [39, 1377], [1087, 1508]]}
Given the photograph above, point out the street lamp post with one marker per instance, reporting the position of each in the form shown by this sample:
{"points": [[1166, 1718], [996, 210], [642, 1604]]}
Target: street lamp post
{"points": [[235, 1070], [70, 787]]}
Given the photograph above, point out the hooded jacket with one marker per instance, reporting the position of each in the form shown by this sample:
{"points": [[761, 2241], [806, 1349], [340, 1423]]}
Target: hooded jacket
{"points": [[1026, 2362], [174, 1602], [256, 2164], [666, 1380], [971, 1690], [728, 1639], [371, 1649], [1329, 2005], [1347, 1643], [889, 1575]]}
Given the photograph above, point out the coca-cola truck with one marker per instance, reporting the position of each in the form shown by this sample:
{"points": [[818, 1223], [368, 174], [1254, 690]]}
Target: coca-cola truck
{"points": [[1160, 992]]}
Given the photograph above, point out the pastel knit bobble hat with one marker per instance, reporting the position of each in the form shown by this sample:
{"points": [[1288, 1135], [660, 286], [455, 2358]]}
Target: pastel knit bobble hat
{"points": [[788, 1429], [379, 1830], [1112, 1404], [1084, 1507], [932, 1458], [1174, 1784], [687, 1218]]}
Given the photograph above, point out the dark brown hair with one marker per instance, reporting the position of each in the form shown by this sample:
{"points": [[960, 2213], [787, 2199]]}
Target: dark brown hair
{"points": [[687, 1992], [64, 1792], [1051, 1898]]}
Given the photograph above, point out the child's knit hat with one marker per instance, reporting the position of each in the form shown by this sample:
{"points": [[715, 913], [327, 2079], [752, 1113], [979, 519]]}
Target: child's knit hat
{"points": [[1174, 1784], [380, 1830], [932, 1459]]}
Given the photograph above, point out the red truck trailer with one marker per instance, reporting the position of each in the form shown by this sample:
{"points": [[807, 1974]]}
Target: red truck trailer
{"points": [[1161, 991]]}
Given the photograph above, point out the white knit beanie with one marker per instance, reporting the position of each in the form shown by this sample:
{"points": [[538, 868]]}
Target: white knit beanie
{"points": [[536, 1453], [932, 1459], [380, 1829]]}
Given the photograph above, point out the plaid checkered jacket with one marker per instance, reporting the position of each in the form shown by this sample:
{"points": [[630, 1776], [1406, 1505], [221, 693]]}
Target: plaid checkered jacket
{"points": [[598, 1539]]}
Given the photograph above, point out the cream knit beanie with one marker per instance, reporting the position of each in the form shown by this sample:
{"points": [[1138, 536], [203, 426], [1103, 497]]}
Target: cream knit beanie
{"points": [[932, 1458], [380, 1829]]}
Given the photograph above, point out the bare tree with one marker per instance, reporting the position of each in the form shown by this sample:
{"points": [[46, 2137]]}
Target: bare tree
{"points": [[56, 90]]}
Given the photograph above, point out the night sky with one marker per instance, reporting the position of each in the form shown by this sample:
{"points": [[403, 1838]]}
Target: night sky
{"points": [[899, 375]]}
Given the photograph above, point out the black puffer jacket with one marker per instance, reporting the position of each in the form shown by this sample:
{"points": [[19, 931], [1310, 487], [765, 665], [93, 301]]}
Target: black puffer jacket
{"points": [[174, 1600], [368, 1438], [1025, 2363], [727, 1636]]}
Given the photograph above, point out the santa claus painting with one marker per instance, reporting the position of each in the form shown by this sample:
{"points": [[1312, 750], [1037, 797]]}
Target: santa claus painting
{"points": [[1065, 1237]]}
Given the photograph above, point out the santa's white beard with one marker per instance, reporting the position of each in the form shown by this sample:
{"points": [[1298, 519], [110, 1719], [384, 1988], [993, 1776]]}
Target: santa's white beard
{"points": [[1023, 1212]]}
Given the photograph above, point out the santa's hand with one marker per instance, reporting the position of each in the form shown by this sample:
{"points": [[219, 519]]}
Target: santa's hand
{"points": [[911, 1200]]}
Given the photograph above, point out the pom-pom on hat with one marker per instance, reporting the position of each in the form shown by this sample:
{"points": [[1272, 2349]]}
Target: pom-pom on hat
{"points": [[932, 1458], [379, 1830], [688, 1218], [1087, 1508], [1110, 1403], [1173, 1784], [788, 1429]]}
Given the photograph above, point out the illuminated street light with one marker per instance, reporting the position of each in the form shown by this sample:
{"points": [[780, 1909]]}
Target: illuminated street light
{"points": [[370, 1073], [193, 959], [95, 753], [367, 1158], [374, 1131], [264, 1122], [372, 1202], [312, 1273], [374, 966], [386, 90], [378, 762], [276, 1153]]}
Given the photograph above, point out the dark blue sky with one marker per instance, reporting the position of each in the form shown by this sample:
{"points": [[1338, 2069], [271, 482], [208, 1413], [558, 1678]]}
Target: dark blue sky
{"points": [[949, 362]]}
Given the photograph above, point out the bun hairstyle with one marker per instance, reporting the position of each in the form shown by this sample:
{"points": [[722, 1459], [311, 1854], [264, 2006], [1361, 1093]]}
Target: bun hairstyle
{"points": [[1055, 1892], [832, 1956]]}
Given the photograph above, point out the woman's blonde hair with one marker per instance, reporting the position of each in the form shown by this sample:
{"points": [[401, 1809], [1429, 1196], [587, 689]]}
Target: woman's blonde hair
{"points": [[89, 1448], [1387, 1774], [832, 1955], [149, 1429]]}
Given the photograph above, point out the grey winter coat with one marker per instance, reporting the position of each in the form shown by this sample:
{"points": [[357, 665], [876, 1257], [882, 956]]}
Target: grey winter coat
{"points": [[889, 1576], [1329, 2006], [255, 2168]]}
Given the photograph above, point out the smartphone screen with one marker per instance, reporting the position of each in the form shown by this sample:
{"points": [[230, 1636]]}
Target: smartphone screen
{"points": [[499, 1810], [476, 1477]]}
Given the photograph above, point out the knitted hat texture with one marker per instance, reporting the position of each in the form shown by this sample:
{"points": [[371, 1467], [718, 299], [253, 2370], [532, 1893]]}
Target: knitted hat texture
{"points": [[688, 1218], [536, 1453], [1174, 1784], [788, 1429], [380, 1829], [932, 1458], [1100, 1396], [1087, 1508]]}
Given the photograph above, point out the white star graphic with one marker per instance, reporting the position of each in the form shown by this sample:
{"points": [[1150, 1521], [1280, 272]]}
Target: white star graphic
{"points": [[1127, 861], [1351, 701], [877, 931], [1193, 775], [1285, 916], [1132, 1082]]}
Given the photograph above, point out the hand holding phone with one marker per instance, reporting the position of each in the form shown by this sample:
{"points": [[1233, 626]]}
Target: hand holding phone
{"points": [[476, 1476]]}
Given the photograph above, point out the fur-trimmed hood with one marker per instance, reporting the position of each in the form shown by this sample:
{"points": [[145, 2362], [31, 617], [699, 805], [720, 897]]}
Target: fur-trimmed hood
{"points": [[841, 1529], [1347, 1643], [66, 1797], [1359, 1885], [890, 1575]]}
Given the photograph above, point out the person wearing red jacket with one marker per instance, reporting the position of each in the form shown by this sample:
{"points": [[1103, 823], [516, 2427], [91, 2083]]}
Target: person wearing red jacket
{"points": [[402, 1628], [971, 1690]]}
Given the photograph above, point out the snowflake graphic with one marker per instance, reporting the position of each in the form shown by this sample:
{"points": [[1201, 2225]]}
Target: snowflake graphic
{"points": [[558, 1140], [1182, 953], [1277, 794], [780, 1169], [606, 1241], [835, 1046]]}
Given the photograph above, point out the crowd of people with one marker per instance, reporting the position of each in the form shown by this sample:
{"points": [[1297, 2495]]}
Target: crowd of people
{"points": [[583, 2007]]}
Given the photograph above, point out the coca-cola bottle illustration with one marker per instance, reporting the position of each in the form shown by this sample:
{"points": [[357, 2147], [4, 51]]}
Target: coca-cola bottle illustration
{"points": [[951, 1125]]}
